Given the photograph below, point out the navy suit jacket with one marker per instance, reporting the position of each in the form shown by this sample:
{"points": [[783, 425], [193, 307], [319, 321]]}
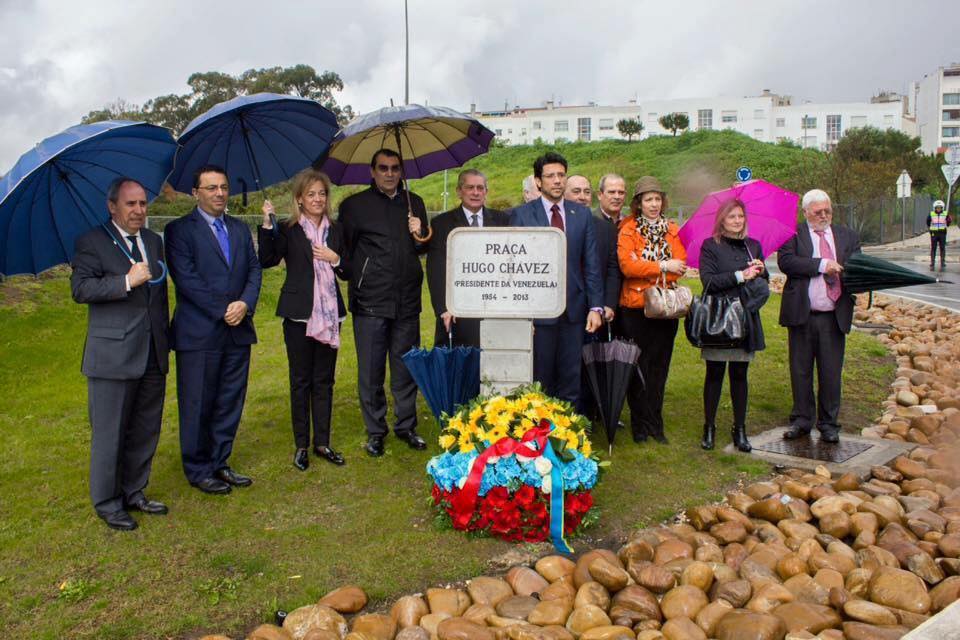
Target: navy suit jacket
{"points": [[584, 283], [206, 284]]}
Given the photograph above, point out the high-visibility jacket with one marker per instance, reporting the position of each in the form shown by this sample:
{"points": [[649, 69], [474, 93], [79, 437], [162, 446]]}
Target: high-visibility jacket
{"points": [[938, 221]]}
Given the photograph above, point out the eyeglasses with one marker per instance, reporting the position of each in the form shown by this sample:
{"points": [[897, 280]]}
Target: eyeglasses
{"points": [[213, 188], [388, 168]]}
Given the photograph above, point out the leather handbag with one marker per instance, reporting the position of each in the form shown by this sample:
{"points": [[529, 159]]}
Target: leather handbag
{"points": [[715, 321], [666, 302]]}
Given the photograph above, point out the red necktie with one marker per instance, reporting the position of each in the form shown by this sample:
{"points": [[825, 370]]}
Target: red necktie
{"points": [[833, 282], [556, 220]]}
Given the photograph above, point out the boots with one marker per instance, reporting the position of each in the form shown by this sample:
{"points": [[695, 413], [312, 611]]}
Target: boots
{"points": [[709, 434], [740, 441]]}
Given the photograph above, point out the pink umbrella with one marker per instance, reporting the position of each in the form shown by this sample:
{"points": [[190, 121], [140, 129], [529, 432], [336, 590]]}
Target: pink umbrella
{"points": [[771, 217]]}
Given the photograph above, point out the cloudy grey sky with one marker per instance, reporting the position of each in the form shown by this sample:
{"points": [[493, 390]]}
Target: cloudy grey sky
{"points": [[60, 59]]}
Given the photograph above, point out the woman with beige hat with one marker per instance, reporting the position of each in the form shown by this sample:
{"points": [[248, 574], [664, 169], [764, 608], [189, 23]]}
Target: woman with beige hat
{"points": [[649, 248]]}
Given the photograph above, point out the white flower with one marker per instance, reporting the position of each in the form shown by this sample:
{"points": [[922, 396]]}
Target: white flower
{"points": [[547, 485], [462, 481], [543, 465], [492, 459]]}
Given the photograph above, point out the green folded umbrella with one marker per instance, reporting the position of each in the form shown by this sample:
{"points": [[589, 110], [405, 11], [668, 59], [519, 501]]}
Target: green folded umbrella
{"points": [[862, 273]]}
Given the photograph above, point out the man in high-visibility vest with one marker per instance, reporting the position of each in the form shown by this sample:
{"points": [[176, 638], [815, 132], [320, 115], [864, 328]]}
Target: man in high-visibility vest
{"points": [[937, 222]]}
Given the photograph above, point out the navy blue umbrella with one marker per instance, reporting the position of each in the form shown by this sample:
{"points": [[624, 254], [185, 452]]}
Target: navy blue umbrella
{"points": [[259, 140], [446, 377], [58, 190]]}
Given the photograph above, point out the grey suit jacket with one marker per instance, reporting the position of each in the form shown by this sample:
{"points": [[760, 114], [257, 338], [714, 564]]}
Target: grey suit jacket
{"points": [[120, 324]]}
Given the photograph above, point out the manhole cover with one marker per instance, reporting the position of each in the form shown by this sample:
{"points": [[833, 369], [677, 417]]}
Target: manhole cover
{"points": [[812, 448]]}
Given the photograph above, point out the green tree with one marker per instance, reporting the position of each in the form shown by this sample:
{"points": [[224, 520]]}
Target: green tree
{"points": [[675, 122], [630, 127], [119, 110]]}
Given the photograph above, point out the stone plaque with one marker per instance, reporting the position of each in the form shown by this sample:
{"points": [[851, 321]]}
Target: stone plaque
{"points": [[506, 272]]}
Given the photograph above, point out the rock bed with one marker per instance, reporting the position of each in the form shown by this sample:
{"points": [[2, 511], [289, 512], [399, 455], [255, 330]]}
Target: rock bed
{"points": [[802, 555]]}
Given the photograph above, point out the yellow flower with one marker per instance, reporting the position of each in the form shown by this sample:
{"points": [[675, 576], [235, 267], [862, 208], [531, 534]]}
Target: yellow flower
{"points": [[502, 421], [496, 434], [497, 404], [476, 414], [455, 423], [587, 448], [465, 442], [447, 441], [572, 440], [561, 420]]}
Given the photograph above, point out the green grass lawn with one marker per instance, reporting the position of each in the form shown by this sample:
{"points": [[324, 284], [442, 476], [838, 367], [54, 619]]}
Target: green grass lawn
{"points": [[227, 563]]}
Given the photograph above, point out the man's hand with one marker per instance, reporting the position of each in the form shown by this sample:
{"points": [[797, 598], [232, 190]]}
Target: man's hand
{"points": [[138, 274], [448, 320], [594, 322], [325, 253], [833, 268], [608, 314], [235, 312], [413, 223], [267, 211]]}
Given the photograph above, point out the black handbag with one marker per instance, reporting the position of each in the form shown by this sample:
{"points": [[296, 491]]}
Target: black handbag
{"points": [[715, 321]]}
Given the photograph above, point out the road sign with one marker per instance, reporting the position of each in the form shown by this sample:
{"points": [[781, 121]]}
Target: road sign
{"points": [[953, 155], [951, 172], [903, 184], [744, 174]]}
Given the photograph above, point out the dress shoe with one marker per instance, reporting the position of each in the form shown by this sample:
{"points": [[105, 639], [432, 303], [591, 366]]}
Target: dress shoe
{"points": [[230, 476], [119, 520], [662, 439], [795, 432], [212, 485], [153, 507], [639, 437], [374, 446], [413, 440], [739, 435], [709, 435], [831, 437], [301, 459], [329, 454]]}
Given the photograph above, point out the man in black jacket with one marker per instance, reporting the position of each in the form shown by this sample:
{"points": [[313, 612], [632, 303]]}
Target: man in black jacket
{"points": [[472, 190], [382, 235], [817, 313]]}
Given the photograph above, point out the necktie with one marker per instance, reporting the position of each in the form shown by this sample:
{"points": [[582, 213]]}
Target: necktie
{"points": [[474, 220], [833, 283], [222, 238], [135, 249], [555, 220]]}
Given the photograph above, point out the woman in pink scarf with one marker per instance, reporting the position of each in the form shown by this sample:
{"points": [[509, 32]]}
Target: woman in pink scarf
{"points": [[311, 307]]}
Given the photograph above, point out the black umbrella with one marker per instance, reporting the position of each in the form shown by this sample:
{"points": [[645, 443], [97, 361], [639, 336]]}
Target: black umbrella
{"points": [[610, 366], [863, 272]]}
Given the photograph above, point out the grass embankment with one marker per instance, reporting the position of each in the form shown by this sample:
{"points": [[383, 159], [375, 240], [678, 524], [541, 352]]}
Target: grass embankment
{"points": [[226, 563]]}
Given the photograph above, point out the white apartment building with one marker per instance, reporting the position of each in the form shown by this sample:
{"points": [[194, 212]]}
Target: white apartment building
{"points": [[767, 118], [936, 105]]}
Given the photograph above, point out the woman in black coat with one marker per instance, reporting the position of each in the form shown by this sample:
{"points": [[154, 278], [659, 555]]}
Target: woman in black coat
{"points": [[731, 265], [311, 307]]}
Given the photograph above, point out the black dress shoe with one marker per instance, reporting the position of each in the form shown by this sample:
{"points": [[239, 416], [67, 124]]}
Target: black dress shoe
{"points": [[639, 437], [413, 440], [329, 454], [230, 476], [212, 485], [662, 439], [301, 459], [830, 438], [374, 446], [119, 520], [795, 432], [153, 507]]}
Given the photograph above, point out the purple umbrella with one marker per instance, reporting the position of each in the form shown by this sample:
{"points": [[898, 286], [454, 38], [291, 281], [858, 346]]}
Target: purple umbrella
{"points": [[771, 217]]}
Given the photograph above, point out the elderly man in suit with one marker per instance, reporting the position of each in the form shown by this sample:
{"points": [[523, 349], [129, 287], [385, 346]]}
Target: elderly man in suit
{"points": [[557, 342], [217, 276], [117, 273], [472, 190], [817, 313]]}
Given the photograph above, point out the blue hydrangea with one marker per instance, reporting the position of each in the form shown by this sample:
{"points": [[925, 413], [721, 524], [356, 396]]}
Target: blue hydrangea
{"points": [[580, 473], [447, 468]]}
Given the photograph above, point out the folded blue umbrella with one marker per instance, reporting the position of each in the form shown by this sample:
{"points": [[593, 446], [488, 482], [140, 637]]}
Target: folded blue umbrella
{"points": [[446, 377], [58, 190]]}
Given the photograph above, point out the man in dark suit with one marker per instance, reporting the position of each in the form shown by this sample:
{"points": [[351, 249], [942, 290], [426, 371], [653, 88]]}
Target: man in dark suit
{"points": [[472, 190], [557, 342], [125, 356], [817, 313], [217, 277], [612, 192], [382, 237]]}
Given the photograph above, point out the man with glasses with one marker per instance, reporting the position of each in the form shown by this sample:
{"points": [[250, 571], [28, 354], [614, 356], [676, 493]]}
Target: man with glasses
{"points": [[215, 269], [382, 228], [818, 313]]}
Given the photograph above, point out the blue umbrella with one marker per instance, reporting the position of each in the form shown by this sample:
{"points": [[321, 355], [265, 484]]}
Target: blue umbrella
{"points": [[446, 377], [58, 190], [259, 140]]}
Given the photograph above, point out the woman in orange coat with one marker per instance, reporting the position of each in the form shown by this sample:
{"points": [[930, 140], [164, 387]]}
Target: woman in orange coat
{"points": [[648, 248]]}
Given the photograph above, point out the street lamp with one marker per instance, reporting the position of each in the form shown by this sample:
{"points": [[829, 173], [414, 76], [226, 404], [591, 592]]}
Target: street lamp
{"points": [[803, 128]]}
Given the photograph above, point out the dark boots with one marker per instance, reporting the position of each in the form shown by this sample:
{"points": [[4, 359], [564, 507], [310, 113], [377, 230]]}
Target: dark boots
{"points": [[709, 435], [740, 441]]}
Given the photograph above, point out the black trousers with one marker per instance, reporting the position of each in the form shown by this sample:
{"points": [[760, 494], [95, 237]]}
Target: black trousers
{"points": [[645, 397], [377, 339], [713, 386], [313, 365], [125, 416], [938, 239], [818, 342], [466, 333]]}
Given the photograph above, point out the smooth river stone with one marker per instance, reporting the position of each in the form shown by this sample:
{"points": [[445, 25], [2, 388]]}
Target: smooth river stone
{"points": [[551, 612], [736, 592], [863, 631], [375, 625], [682, 629], [699, 575], [709, 617], [301, 620], [610, 575], [805, 616], [525, 581], [899, 589], [611, 632], [869, 612], [552, 568], [559, 590], [348, 599], [460, 629], [670, 550], [517, 607], [656, 578], [452, 602], [585, 618], [480, 613], [581, 572], [746, 625], [592, 593], [636, 603], [683, 601], [408, 610], [487, 590]]}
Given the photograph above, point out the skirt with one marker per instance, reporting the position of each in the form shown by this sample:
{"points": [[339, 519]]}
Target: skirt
{"points": [[715, 354]]}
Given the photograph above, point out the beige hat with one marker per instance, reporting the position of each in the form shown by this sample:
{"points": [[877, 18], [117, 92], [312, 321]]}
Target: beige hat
{"points": [[647, 183]]}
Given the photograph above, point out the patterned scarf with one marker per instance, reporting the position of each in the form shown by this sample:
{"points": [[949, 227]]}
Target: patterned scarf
{"points": [[324, 323], [654, 232]]}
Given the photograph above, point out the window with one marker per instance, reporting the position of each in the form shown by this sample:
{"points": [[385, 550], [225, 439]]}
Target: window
{"points": [[759, 113], [606, 124], [498, 132], [808, 122], [583, 129], [705, 119], [858, 121], [951, 98], [536, 125], [951, 114], [758, 134], [509, 132], [808, 142], [951, 132], [781, 122], [523, 132], [652, 117], [888, 120], [833, 128], [728, 116], [561, 125]]}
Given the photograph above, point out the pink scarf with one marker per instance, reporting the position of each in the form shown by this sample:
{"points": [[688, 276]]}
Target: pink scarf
{"points": [[324, 323]]}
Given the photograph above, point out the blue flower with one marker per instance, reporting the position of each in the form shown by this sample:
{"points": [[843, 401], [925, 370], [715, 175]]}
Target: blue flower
{"points": [[447, 469]]}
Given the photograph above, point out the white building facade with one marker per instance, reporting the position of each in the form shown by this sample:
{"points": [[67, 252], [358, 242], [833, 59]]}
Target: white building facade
{"points": [[936, 104]]}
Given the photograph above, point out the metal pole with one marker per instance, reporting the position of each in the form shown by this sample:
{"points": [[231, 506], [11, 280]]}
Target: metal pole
{"points": [[903, 218], [406, 30], [444, 189]]}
